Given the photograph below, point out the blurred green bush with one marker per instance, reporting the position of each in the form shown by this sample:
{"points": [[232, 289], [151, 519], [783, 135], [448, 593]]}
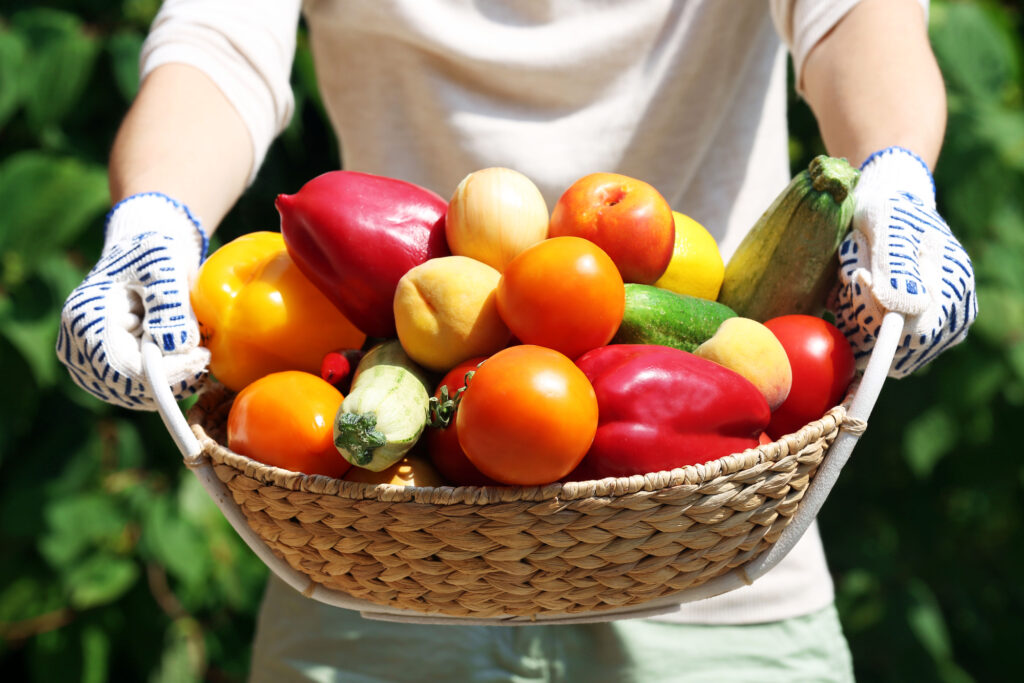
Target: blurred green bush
{"points": [[116, 566]]}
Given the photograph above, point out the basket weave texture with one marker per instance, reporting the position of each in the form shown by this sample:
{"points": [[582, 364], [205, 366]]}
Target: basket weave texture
{"points": [[518, 551]]}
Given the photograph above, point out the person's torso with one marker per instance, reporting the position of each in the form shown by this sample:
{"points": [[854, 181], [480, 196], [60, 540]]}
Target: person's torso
{"points": [[688, 96]]}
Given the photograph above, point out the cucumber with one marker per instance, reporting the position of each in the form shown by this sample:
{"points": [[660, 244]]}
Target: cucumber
{"points": [[658, 316], [386, 410], [787, 262]]}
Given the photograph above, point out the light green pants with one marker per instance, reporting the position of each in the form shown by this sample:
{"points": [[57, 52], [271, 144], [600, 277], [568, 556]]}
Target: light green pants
{"points": [[303, 640]]}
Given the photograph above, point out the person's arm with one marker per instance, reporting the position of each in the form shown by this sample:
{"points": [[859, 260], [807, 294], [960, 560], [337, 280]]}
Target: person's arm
{"points": [[182, 138], [873, 82], [878, 95]]}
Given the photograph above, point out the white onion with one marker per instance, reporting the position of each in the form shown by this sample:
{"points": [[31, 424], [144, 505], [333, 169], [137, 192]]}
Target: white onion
{"points": [[494, 214]]}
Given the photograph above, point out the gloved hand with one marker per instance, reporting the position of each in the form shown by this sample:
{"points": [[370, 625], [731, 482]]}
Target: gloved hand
{"points": [[138, 289], [901, 256]]}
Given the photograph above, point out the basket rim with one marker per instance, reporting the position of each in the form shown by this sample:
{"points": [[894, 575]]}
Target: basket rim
{"points": [[756, 460]]}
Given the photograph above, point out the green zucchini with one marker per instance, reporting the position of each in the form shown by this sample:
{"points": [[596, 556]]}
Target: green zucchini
{"points": [[385, 411], [658, 316], [787, 262]]}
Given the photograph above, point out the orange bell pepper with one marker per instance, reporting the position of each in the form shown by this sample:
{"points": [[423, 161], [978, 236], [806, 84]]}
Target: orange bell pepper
{"points": [[259, 314]]}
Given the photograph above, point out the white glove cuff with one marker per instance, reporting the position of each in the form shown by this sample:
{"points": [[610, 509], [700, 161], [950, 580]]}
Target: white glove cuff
{"points": [[155, 212], [897, 167]]}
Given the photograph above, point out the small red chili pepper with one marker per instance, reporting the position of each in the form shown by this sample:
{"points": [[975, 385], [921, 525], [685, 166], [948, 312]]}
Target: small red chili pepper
{"points": [[337, 367]]}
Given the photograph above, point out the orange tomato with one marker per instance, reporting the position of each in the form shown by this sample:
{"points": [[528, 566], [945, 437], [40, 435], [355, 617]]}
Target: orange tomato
{"points": [[286, 419], [564, 293], [528, 416]]}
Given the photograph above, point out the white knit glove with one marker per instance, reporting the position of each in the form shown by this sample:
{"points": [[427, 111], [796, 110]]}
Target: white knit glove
{"points": [[138, 289], [901, 256]]}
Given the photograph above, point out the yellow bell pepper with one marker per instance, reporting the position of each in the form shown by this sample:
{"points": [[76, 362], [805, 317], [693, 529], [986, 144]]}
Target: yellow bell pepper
{"points": [[259, 314]]}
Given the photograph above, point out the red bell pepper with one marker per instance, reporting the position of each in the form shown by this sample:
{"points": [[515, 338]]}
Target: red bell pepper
{"points": [[354, 235], [661, 408]]}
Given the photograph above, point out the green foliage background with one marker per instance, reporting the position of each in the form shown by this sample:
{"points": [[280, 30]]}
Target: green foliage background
{"points": [[116, 566]]}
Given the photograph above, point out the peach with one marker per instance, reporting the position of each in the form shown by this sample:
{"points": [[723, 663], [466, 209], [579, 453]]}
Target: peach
{"points": [[750, 349], [628, 218], [409, 471], [446, 310]]}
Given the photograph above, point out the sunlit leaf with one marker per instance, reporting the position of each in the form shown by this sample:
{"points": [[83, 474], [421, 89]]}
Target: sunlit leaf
{"points": [[176, 544], [130, 447], [12, 65], [96, 648], [35, 340], [1003, 128], [180, 660], [124, 49], [62, 57], [27, 597], [1001, 317], [100, 579], [929, 437], [928, 624], [48, 201], [77, 523], [976, 50]]}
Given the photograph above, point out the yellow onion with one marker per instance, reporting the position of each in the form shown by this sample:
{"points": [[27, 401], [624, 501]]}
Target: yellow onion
{"points": [[494, 214]]}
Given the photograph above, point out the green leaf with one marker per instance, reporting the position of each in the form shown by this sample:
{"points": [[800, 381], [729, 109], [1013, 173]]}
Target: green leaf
{"points": [[124, 48], [62, 58], [140, 12], [180, 660], [1003, 128], [1015, 354], [858, 599], [176, 544], [17, 407], [49, 656], [77, 523], [35, 340], [27, 597], [926, 621], [1001, 315], [100, 579], [975, 49], [930, 436], [48, 201], [12, 65], [95, 655], [130, 447]]}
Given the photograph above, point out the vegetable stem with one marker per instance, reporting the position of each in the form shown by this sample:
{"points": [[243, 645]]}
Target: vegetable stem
{"points": [[357, 433]]}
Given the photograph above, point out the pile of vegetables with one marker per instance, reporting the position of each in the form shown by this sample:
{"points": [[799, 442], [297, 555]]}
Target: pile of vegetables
{"points": [[388, 336]]}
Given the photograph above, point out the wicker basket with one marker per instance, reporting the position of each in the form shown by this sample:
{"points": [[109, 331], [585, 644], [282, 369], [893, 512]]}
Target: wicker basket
{"points": [[493, 552]]}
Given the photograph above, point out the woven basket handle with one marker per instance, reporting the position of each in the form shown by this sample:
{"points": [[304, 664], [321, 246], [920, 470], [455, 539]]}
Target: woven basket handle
{"points": [[192, 452], [828, 473], [821, 485]]}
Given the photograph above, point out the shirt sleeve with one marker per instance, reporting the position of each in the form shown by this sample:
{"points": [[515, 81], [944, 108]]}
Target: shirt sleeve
{"points": [[802, 23], [245, 48]]}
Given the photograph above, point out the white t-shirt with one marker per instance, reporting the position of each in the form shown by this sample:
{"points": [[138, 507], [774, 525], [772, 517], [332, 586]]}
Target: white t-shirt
{"points": [[688, 96]]}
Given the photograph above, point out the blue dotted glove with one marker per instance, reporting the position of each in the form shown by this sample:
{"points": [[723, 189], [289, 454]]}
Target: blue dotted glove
{"points": [[901, 256], [138, 289]]}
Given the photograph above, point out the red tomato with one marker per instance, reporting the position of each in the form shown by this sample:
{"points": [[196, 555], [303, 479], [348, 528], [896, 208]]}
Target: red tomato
{"points": [[564, 293], [528, 416], [286, 419], [443, 444], [823, 368]]}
